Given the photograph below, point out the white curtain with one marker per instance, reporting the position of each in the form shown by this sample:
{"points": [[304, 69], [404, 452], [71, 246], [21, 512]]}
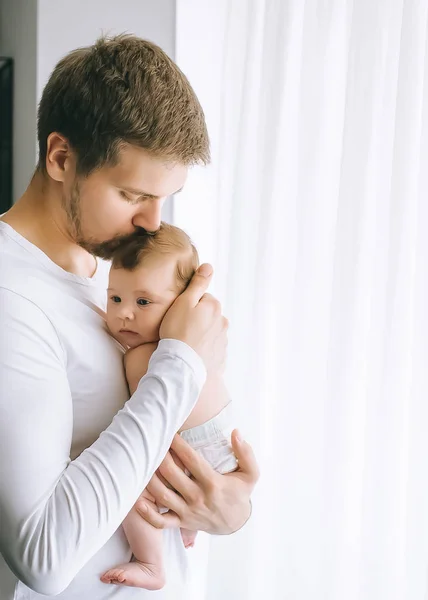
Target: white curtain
{"points": [[315, 216]]}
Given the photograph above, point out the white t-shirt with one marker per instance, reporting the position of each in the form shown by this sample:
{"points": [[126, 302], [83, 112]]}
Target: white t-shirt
{"points": [[64, 488]]}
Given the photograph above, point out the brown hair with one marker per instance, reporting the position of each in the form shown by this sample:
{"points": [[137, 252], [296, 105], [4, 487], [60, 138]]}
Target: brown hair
{"points": [[122, 90], [168, 240]]}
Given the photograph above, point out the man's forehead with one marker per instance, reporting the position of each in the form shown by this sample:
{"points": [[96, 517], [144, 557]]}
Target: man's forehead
{"points": [[142, 174]]}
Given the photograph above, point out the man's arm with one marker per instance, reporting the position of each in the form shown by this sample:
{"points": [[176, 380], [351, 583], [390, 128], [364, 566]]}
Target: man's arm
{"points": [[55, 514]]}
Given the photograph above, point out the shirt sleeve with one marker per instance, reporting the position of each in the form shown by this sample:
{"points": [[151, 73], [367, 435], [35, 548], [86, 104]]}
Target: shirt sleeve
{"points": [[55, 514]]}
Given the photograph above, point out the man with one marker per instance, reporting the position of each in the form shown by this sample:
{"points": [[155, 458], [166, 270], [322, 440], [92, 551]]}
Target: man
{"points": [[118, 127]]}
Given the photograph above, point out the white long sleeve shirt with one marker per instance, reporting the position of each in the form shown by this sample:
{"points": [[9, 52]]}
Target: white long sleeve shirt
{"points": [[75, 453]]}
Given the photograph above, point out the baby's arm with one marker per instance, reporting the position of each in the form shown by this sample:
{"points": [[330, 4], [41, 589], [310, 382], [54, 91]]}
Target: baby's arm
{"points": [[137, 363]]}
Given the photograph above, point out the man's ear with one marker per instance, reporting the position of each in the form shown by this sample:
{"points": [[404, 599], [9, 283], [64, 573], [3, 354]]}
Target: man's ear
{"points": [[59, 157]]}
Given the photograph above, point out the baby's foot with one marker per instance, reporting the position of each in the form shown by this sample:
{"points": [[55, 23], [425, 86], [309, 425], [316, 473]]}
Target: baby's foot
{"points": [[136, 574], [188, 537]]}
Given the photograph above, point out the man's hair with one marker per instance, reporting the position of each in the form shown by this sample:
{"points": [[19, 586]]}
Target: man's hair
{"points": [[122, 90], [168, 241]]}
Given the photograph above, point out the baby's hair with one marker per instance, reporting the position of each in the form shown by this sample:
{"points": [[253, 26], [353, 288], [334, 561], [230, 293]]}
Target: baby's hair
{"points": [[168, 240]]}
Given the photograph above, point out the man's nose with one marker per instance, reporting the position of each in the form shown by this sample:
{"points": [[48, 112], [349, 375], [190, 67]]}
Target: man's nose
{"points": [[149, 215]]}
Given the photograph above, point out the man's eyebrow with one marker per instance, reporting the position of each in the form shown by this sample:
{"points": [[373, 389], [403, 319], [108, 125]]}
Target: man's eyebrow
{"points": [[145, 194]]}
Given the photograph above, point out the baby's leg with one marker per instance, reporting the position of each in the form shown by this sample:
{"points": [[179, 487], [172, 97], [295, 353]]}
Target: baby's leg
{"points": [[146, 570]]}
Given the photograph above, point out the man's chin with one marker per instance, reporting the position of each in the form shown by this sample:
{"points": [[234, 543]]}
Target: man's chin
{"points": [[107, 248]]}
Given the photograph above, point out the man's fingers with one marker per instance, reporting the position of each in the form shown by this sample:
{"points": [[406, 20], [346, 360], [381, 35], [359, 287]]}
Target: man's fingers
{"points": [[199, 468], [148, 513], [248, 467], [176, 460], [175, 476], [199, 283], [165, 496]]}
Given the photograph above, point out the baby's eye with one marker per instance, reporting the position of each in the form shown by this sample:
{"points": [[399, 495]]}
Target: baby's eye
{"points": [[115, 299], [142, 302]]}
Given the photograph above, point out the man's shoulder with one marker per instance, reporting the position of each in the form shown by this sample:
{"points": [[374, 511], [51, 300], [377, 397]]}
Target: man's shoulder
{"points": [[18, 273], [27, 272], [21, 275]]}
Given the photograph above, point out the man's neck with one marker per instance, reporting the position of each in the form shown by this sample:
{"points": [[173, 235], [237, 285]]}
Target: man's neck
{"points": [[39, 217]]}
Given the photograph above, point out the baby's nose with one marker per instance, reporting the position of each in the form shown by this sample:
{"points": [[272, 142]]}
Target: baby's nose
{"points": [[126, 312]]}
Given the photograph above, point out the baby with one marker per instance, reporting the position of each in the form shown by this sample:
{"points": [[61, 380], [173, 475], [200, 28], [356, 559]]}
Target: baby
{"points": [[146, 277]]}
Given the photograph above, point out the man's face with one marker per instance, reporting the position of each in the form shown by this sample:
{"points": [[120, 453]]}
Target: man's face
{"points": [[114, 203]]}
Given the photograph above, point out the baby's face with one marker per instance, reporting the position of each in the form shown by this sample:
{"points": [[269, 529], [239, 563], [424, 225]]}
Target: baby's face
{"points": [[138, 300]]}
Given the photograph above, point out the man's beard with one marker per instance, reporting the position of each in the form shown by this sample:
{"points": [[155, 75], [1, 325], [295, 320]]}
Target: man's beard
{"points": [[105, 249]]}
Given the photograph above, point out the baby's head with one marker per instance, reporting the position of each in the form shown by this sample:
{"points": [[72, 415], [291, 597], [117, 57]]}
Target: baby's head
{"points": [[146, 276]]}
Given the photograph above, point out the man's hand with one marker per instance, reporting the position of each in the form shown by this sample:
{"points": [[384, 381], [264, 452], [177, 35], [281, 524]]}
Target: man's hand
{"points": [[195, 318], [206, 501]]}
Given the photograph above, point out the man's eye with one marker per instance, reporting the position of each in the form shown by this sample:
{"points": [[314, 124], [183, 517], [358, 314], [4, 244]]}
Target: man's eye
{"points": [[115, 299], [142, 302], [128, 199]]}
